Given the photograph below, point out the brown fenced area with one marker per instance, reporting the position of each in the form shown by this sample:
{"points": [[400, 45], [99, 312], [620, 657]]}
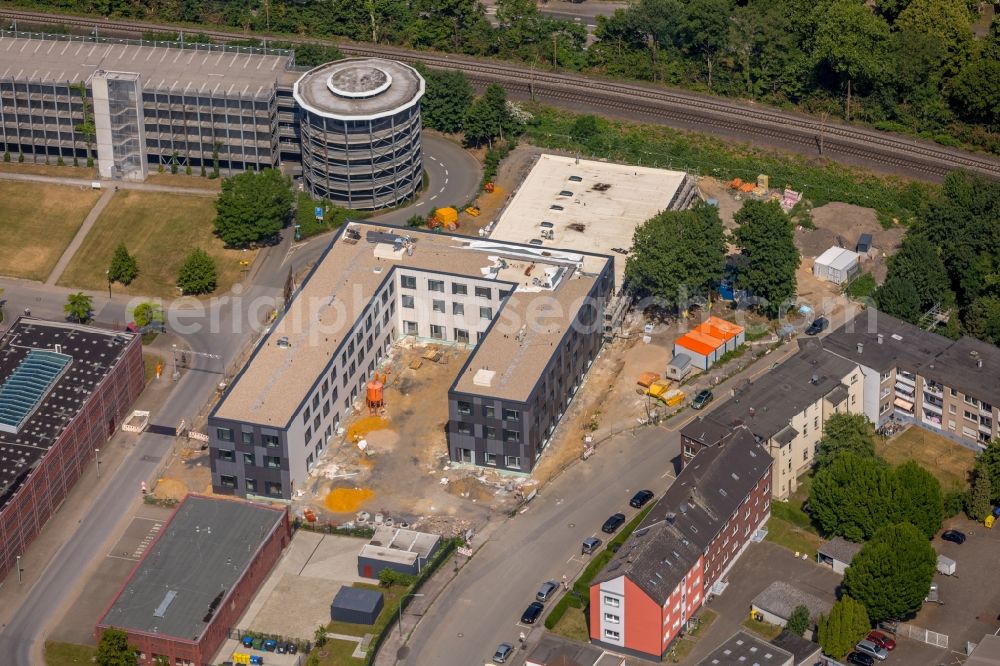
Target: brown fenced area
{"points": [[946, 460]]}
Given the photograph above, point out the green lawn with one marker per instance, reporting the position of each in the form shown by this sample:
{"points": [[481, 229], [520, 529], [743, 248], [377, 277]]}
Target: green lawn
{"points": [[573, 625], [946, 460], [159, 230], [335, 653], [66, 654], [790, 526], [765, 629], [38, 221], [390, 596]]}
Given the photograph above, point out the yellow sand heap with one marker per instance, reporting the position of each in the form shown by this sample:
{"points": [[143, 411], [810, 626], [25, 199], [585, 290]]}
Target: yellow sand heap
{"points": [[347, 500], [365, 425]]}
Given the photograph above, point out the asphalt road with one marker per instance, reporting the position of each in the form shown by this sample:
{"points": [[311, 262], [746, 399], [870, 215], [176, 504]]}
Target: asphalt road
{"points": [[222, 327]]}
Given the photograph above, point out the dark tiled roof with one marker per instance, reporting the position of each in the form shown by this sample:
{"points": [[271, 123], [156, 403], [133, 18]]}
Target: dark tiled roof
{"points": [[958, 368], [805, 651], [768, 405], [840, 549], [781, 598], [553, 650], [745, 649], [695, 508], [357, 599], [707, 431]]}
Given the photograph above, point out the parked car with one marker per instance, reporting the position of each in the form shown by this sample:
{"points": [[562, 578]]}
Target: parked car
{"points": [[954, 536], [504, 650], [612, 524], [860, 659], [640, 498], [882, 640], [590, 544], [819, 325], [702, 398], [546, 591], [532, 612], [871, 649]]}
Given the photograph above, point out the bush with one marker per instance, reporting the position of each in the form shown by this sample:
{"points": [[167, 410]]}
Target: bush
{"points": [[861, 287], [389, 577], [333, 216], [416, 221], [6, 156], [494, 156]]}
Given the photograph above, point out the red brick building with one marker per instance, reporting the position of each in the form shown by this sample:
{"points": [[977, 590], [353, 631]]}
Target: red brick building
{"points": [[642, 600], [197, 578], [64, 391]]}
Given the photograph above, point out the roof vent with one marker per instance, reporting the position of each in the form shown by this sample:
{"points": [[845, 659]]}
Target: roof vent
{"points": [[814, 379], [879, 337], [283, 342], [979, 362], [483, 377], [973, 353], [861, 347]]}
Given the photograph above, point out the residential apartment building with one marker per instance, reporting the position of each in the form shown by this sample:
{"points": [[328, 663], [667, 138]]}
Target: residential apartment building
{"points": [[533, 318], [948, 386], [642, 600], [786, 410]]}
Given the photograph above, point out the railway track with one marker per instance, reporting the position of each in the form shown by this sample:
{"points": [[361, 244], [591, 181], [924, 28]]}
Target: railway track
{"points": [[733, 119]]}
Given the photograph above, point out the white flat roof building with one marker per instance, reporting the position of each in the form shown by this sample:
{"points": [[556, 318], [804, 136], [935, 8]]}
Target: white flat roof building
{"points": [[588, 205]]}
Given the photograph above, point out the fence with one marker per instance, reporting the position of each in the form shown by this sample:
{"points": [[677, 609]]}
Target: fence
{"points": [[923, 635]]}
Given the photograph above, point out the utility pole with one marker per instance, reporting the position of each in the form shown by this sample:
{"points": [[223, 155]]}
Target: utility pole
{"points": [[19, 569], [97, 459]]}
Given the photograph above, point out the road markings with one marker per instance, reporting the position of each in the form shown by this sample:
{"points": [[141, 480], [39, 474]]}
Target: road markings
{"points": [[431, 157], [434, 197], [446, 181], [419, 203], [441, 190], [446, 174], [666, 474]]}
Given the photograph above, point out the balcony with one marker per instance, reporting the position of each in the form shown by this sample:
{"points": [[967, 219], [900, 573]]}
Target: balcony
{"points": [[932, 407], [933, 389], [932, 420], [987, 428], [905, 378], [905, 389]]}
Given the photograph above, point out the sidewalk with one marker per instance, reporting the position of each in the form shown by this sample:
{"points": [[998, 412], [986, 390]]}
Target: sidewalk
{"points": [[106, 184], [88, 224]]}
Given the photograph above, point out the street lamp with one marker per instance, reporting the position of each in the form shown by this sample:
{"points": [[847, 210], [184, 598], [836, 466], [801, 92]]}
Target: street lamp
{"points": [[19, 569], [400, 625], [97, 459]]}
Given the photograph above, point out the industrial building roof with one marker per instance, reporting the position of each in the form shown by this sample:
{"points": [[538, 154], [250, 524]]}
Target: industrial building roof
{"points": [[805, 652], [745, 649], [357, 599], [838, 258], [967, 365], [191, 68], [986, 652], [599, 212], [694, 509], [768, 404], [553, 650], [781, 598], [48, 370], [188, 571], [342, 283], [399, 545], [840, 549], [359, 88]]}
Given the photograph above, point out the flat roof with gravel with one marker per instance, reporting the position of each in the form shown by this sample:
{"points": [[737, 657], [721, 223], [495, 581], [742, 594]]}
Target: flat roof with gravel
{"points": [[186, 574], [202, 69], [599, 212], [352, 270], [359, 88]]}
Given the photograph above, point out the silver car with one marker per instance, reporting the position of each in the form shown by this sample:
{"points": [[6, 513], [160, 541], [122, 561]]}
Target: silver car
{"points": [[546, 591], [872, 649], [503, 652]]}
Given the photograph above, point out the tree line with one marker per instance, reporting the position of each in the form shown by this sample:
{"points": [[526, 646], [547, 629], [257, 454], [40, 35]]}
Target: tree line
{"points": [[907, 65]]}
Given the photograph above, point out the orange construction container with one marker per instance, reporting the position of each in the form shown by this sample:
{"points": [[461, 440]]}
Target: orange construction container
{"points": [[374, 392], [647, 378]]}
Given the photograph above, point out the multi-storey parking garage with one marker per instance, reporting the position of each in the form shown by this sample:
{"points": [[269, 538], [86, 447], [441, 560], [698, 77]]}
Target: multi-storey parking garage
{"points": [[360, 131]]}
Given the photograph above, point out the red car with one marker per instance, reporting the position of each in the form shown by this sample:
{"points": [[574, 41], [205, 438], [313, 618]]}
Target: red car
{"points": [[880, 639]]}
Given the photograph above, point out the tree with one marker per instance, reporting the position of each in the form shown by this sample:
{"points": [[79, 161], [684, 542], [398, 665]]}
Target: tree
{"points": [[124, 268], [677, 254], [891, 574], [898, 298], [919, 263], [798, 621], [197, 274], [854, 496], [145, 314], [982, 319], [584, 128], [989, 459], [975, 92], [703, 28], [446, 101], [921, 501], [78, 307], [488, 117], [765, 237], [977, 504], [252, 206], [115, 650], [848, 622], [319, 636], [845, 432], [947, 23]]}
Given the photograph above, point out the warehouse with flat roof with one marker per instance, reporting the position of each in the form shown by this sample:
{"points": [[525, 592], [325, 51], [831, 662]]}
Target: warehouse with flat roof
{"points": [[197, 578], [64, 391], [532, 316]]}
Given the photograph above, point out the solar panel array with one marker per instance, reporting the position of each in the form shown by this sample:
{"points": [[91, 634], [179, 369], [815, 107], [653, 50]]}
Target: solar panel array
{"points": [[21, 394]]}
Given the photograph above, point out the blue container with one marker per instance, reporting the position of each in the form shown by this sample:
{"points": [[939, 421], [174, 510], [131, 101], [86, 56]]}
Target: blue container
{"points": [[248, 641]]}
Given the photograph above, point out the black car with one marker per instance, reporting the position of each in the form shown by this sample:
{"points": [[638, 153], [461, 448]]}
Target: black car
{"points": [[860, 659], [532, 612], [613, 523], [819, 325], [640, 498], [702, 398], [954, 536]]}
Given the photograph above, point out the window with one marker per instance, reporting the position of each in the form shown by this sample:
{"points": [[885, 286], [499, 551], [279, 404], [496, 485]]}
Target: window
{"points": [[227, 481], [224, 434], [315, 403], [457, 309], [408, 282], [512, 461], [459, 289], [461, 336], [326, 387], [489, 432], [511, 415], [316, 422], [885, 376], [611, 634], [816, 423], [270, 440], [612, 618], [464, 428], [274, 462], [486, 313], [410, 327], [273, 488], [437, 332], [511, 435], [971, 401], [248, 459], [248, 438], [688, 450], [464, 407], [407, 301], [488, 412], [969, 416], [437, 306], [466, 455], [805, 454], [251, 485], [484, 292], [225, 454], [491, 459], [326, 409], [613, 602], [435, 285], [951, 409]]}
